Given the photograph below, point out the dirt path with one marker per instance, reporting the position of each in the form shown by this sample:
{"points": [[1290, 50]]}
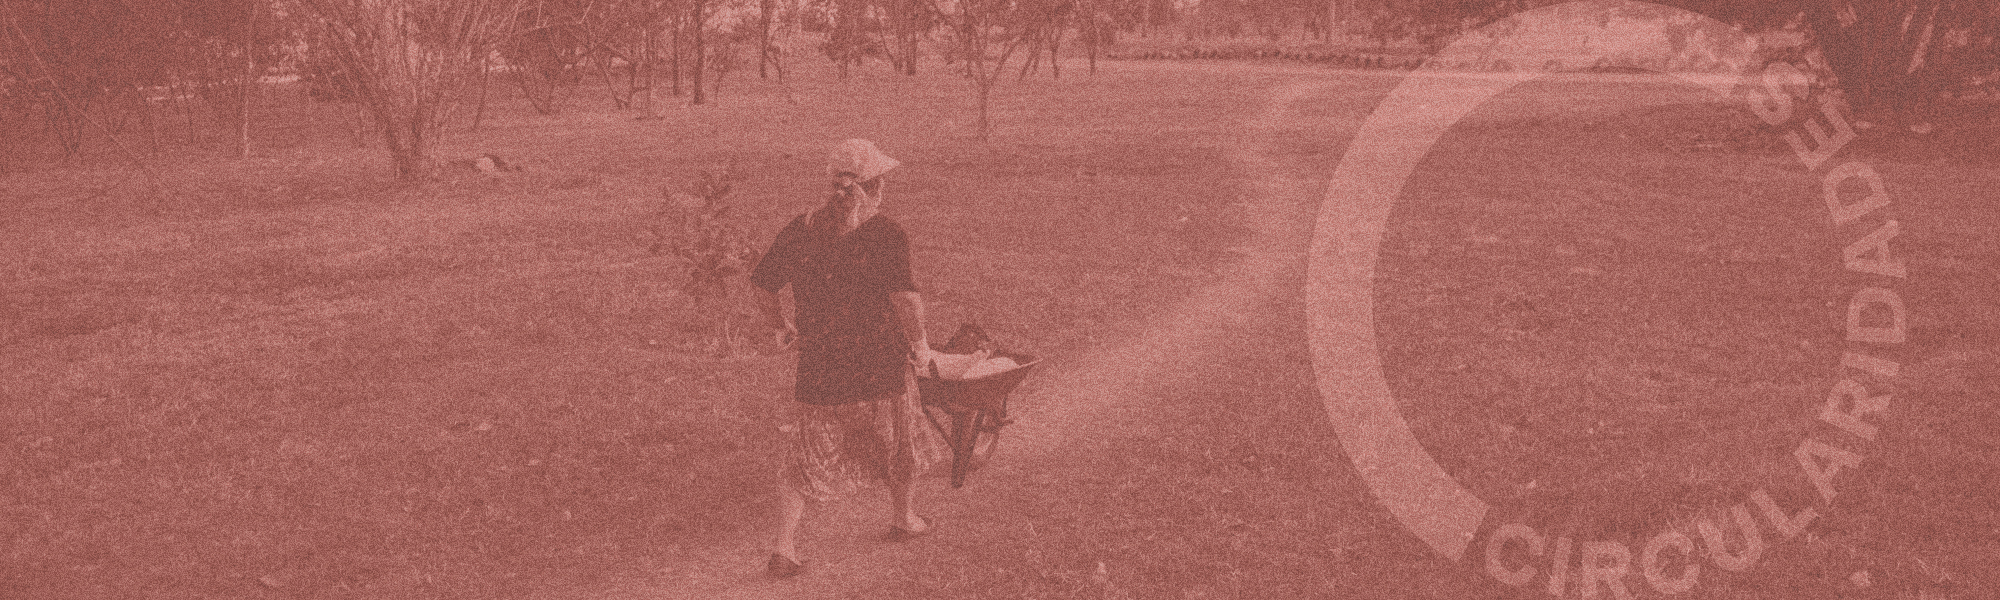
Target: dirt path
{"points": [[1078, 407]]}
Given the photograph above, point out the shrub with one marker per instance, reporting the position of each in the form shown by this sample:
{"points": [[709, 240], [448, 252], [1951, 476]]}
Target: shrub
{"points": [[695, 225]]}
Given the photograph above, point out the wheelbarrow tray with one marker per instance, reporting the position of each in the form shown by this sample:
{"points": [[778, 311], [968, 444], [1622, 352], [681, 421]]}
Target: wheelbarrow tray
{"points": [[976, 406], [988, 393]]}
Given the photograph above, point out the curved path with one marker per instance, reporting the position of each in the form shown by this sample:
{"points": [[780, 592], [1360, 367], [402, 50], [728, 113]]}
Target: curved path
{"points": [[1105, 396], [1195, 454]]}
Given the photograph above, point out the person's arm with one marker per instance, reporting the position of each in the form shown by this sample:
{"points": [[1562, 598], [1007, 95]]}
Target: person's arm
{"points": [[773, 311], [893, 273], [772, 275], [910, 313]]}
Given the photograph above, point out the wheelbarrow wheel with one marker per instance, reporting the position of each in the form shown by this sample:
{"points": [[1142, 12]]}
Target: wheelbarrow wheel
{"points": [[973, 435], [985, 440]]}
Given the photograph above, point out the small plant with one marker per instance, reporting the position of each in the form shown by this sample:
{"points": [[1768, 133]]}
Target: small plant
{"points": [[695, 226]]}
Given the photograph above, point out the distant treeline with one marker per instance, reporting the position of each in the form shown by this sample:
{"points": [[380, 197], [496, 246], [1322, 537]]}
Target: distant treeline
{"points": [[71, 68]]}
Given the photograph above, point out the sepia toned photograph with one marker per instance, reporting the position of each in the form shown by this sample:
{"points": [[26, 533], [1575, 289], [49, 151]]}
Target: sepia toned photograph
{"points": [[1000, 299]]}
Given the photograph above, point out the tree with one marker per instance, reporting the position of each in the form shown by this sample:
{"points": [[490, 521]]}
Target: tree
{"points": [[982, 28], [85, 64], [1899, 61], [53, 68], [1433, 23], [848, 41], [1044, 22], [1095, 35], [544, 47], [611, 31], [652, 17], [1894, 61], [408, 60], [249, 80], [909, 22]]}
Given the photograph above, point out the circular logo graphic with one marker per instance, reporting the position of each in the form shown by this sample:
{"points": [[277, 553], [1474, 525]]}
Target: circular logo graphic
{"points": [[1348, 232]]}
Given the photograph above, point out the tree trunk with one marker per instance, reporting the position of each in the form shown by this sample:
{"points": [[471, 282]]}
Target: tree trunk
{"points": [[700, 66], [1333, 16], [676, 62], [153, 122], [1095, 37], [634, 70], [975, 65], [784, 26], [412, 161], [181, 102], [843, 36], [971, 47], [360, 126], [985, 126], [904, 17], [1055, 49], [911, 32], [645, 66], [479, 114], [249, 79], [403, 133], [539, 74], [1146, 19], [619, 101], [764, 36], [1034, 56], [1329, 15], [243, 108]]}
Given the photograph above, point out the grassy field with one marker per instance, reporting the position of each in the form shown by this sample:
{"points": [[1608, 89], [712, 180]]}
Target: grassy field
{"points": [[1629, 337], [1599, 323], [292, 377]]}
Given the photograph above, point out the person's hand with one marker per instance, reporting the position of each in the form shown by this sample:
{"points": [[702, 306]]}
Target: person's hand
{"points": [[786, 335], [921, 356]]}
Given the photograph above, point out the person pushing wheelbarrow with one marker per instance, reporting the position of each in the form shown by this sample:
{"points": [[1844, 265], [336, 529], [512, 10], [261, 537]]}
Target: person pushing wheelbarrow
{"points": [[859, 330]]}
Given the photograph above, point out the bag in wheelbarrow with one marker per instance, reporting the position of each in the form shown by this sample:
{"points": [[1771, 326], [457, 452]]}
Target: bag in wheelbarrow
{"points": [[965, 396]]}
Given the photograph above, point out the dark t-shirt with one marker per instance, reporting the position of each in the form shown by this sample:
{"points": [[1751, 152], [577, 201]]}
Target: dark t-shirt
{"points": [[851, 347]]}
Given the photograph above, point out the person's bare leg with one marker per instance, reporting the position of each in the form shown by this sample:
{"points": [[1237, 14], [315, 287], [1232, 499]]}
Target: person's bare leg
{"points": [[791, 510], [902, 475], [903, 505]]}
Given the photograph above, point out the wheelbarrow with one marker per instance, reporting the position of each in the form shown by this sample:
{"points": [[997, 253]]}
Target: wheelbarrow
{"points": [[969, 412]]}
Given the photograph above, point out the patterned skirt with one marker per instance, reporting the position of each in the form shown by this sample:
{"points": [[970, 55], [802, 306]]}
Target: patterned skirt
{"points": [[837, 450]]}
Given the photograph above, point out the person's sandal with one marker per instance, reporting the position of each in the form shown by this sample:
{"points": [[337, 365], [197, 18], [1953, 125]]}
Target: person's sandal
{"points": [[781, 567], [899, 534]]}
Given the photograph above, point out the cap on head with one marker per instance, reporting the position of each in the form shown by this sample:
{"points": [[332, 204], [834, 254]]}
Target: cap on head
{"points": [[860, 157]]}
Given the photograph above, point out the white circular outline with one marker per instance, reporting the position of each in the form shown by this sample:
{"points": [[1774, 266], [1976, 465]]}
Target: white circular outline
{"points": [[1347, 234]]}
